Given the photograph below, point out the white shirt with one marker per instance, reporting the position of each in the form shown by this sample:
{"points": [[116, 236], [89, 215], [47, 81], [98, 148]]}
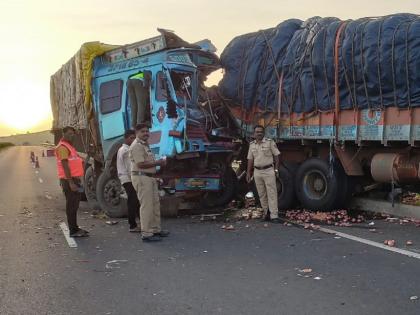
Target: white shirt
{"points": [[124, 164]]}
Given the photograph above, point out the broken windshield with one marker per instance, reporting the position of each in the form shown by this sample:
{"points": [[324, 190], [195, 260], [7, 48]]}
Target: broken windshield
{"points": [[182, 82]]}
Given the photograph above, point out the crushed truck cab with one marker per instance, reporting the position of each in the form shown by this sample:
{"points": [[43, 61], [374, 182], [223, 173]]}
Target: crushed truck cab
{"points": [[158, 81]]}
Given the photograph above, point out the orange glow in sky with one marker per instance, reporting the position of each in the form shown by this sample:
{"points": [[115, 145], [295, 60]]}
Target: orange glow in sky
{"points": [[38, 36]]}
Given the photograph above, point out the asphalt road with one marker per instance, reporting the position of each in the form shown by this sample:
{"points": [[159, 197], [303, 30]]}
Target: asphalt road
{"points": [[200, 269]]}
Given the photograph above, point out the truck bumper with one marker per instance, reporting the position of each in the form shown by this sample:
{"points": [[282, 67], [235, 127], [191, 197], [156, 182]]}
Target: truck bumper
{"points": [[197, 184]]}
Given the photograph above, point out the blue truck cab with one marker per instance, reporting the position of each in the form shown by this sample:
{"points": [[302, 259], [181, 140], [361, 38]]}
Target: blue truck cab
{"points": [[160, 81]]}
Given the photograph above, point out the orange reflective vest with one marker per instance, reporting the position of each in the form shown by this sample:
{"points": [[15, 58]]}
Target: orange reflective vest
{"points": [[75, 161]]}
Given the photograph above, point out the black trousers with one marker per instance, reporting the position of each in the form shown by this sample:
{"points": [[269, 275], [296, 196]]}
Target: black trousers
{"points": [[133, 204], [72, 204]]}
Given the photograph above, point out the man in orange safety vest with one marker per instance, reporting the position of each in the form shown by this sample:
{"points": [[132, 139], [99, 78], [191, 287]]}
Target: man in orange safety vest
{"points": [[70, 171]]}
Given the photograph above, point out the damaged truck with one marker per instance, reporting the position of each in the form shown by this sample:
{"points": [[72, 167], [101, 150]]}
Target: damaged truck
{"points": [[340, 98], [105, 90]]}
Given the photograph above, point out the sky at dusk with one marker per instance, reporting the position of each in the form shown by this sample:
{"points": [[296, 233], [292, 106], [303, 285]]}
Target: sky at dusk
{"points": [[37, 37]]}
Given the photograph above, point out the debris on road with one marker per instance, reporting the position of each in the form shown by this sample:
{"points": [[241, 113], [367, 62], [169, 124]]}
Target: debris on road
{"points": [[99, 215], [115, 264], [410, 198], [409, 243], [403, 221], [317, 278], [111, 222], [390, 243], [336, 218], [248, 213], [228, 227], [414, 297], [306, 270], [208, 217]]}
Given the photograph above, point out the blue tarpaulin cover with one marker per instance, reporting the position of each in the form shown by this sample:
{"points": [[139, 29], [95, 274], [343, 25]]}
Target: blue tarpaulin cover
{"points": [[378, 65]]}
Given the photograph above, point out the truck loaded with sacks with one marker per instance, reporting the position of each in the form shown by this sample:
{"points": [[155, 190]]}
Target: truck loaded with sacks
{"points": [[340, 98]]}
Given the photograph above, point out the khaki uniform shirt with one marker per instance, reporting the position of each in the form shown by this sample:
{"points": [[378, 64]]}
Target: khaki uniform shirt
{"points": [[262, 153], [140, 152]]}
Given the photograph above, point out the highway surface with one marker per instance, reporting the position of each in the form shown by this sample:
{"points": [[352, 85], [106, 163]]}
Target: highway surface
{"points": [[199, 269]]}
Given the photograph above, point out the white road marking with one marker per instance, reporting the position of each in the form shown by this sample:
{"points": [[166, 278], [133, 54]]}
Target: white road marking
{"points": [[70, 240], [371, 243], [40, 180]]}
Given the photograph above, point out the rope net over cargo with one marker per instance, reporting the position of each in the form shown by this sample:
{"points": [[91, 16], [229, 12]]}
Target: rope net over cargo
{"points": [[322, 64]]}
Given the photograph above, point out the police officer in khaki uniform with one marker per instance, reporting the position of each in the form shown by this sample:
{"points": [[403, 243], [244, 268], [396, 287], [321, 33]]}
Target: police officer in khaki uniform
{"points": [[263, 163], [143, 168]]}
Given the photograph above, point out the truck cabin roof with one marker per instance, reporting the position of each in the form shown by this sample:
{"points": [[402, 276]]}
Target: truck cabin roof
{"points": [[166, 48]]}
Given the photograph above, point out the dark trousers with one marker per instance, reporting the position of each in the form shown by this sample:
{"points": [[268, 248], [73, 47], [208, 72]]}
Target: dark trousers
{"points": [[133, 204], [72, 204]]}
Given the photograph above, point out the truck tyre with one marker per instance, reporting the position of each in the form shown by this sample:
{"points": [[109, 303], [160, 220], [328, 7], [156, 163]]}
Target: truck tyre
{"points": [[90, 189], [346, 188], [317, 185], [108, 191], [225, 195], [285, 189]]}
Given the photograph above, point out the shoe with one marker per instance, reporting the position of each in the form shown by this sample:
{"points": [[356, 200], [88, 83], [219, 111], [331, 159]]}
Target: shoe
{"points": [[80, 233], [276, 220], [135, 230], [162, 233], [153, 238]]}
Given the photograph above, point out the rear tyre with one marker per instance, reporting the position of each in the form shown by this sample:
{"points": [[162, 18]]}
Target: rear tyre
{"points": [[90, 188], [346, 188], [229, 183], [316, 185], [108, 191], [285, 189]]}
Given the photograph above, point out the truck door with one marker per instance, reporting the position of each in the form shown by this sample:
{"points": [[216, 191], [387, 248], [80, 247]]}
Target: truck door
{"points": [[163, 117], [111, 113]]}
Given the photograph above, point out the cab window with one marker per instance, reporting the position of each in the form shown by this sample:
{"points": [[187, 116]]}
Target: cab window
{"points": [[110, 96], [161, 91]]}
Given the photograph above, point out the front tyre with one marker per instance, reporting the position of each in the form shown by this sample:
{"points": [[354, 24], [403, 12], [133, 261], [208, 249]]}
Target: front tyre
{"points": [[90, 188], [108, 191], [229, 182]]}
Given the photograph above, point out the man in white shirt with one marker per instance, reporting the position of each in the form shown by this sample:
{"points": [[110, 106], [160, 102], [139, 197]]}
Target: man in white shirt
{"points": [[124, 174]]}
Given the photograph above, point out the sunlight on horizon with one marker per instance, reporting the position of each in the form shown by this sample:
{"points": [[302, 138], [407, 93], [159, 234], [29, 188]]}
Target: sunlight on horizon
{"points": [[24, 106]]}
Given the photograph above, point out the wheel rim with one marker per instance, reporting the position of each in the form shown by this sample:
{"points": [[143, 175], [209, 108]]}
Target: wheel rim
{"points": [[315, 185], [112, 191]]}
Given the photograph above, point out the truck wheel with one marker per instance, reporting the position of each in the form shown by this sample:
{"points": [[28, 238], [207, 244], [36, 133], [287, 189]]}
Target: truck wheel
{"points": [[90, 189], [225, 195], [108, 191], [316, 186], [285, 189], [346, 188]]}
